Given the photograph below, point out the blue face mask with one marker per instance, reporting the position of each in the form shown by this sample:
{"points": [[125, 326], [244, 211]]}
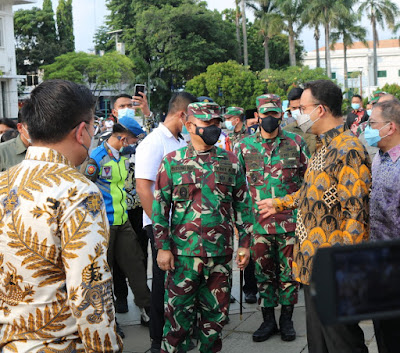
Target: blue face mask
{"points": [[130, 113], [229, 125], [372, 135], [369, 112], [355, 106]]}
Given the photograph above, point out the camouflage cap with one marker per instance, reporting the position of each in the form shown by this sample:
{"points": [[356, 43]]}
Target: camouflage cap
{"points": [[233, 111], [204, 111], [269, 103]]}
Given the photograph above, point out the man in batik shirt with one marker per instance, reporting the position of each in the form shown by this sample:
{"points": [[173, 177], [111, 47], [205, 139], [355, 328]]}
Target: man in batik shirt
{"points": [[275, 161], [56, 292], [201, 194], [332, 205]]}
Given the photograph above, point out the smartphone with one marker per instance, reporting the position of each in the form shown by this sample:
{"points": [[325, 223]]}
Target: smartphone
{"points": [[139, 88]]}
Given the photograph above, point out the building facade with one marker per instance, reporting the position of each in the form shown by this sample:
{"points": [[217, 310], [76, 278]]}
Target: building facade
{"points": [[8, 71], [360, 67]]}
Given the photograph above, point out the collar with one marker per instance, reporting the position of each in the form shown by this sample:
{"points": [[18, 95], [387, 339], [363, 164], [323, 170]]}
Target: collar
{"points": [[327, 137], [261, 139], [243, 130], [111, 151], [394, 153], [168, 133], [46, 154], [191, 152], [20, 148]]}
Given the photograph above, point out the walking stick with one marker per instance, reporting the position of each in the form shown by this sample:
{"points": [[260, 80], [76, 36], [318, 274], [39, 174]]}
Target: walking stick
{"points": [[241, 255]]}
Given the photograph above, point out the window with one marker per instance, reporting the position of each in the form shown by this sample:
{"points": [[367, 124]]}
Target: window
{"points": [[333, 75], [382, 73]]}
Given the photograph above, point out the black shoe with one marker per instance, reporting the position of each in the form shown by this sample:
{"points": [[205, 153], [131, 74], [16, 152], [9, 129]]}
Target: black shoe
{"points": [[145, 316], [119, 331], [268, 327], [232, 299], [121, 306], [250, 298], [155, 347], [286, 324]]}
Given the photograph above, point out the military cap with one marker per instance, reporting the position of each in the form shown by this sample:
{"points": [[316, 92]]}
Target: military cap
{"points": [[205, 99], [269, 103], [233, 111], [204, 111], [132, 125]]}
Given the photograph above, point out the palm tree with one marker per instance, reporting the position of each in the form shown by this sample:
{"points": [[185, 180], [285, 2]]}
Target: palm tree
{"points": [[237, 21], [379, 12], [313, 21], [244, 24], [348, 32], [327, 11], [291, 11]]}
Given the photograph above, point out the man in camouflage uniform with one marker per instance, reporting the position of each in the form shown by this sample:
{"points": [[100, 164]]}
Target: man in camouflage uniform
{"points": [[234, 122], [204, 188], [275, 162]]}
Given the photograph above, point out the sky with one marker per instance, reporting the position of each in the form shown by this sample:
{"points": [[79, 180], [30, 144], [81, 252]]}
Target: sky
{"points": [[90, 14]]}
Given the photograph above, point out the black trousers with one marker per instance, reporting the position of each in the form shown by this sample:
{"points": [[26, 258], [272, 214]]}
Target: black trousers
{"points": [[331, 339], [124, 250], [250, 282], [120, 285], [387, 335], [157, 294]]}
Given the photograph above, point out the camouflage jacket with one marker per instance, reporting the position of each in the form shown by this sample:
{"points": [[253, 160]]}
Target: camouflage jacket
{"points": [[207, 195], [274, 168], [235, 137]]}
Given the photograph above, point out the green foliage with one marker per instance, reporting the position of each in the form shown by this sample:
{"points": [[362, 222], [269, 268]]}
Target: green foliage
{"points": [[282, 81], [110, 70], [228, 83], [65, 26], [392, 89], [103, 41]]}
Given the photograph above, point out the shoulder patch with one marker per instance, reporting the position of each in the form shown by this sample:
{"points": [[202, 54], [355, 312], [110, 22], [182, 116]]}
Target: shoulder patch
{"points": [[90, 169]]}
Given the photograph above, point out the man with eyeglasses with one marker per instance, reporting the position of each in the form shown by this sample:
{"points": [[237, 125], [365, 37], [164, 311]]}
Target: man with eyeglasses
{"points": [[54, 234], [332, 205], [383, 131]]}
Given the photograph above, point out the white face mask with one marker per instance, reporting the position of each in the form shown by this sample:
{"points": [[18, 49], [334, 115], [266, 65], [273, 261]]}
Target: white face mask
{"points": [[304, 121], [295, 113], [130, 113], [27, 139]]}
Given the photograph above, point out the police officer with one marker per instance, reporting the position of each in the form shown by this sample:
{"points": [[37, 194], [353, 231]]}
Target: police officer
{"points": [[206, 190], [275, 162]]}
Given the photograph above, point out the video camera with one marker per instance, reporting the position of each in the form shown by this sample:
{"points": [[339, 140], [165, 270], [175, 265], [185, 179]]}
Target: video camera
{"points": [[357, 282]]}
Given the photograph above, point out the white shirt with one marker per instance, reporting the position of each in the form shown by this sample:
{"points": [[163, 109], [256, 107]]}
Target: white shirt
{"points": [[150, 153]]}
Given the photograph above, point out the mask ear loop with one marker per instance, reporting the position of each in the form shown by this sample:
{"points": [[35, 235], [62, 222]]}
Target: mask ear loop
{"points": [[76, 136]]}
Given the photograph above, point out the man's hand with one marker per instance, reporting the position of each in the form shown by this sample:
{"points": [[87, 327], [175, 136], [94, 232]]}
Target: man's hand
{"points": [[141, 102], [242, 261], [266, 208], [165, 260]]}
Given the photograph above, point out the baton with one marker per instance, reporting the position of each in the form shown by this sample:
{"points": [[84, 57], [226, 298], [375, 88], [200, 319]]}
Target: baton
{"points": [[241, 255]]}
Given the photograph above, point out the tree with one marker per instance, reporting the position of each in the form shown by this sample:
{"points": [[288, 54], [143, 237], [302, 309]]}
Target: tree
{"points": [[103, 41], [228, 83], [313, 20], [36, 38], [237, 24], [65, 26], [327, 11], [244, 29], [290, 11], [379, 12], [109, 70], [348, 31]]}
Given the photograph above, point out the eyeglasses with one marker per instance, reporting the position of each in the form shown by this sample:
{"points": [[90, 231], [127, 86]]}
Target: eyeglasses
{"points": [[302, 107], [369, 122]]}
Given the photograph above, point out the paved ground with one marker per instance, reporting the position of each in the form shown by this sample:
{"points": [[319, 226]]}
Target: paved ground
{"points": [[237, 334]]}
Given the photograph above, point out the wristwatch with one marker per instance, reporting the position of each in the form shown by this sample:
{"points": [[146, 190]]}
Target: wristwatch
{"points": [[149, 116]]}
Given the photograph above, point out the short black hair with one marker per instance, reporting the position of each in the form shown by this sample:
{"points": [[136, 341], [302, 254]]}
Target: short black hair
{"points": [[180, 101], [8, 122], [328, 94], [122, 95], [9, 135], [295, 93], [119, 129], [357, 96], [55, 107]]}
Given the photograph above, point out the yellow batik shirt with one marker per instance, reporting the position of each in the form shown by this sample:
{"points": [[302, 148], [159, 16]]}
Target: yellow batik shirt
{"points": [[333, 202], [56, 286]]}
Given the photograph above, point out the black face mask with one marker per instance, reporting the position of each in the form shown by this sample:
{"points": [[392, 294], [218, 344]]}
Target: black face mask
{"points": [[209, 134], [252, 129], [270, 124]]}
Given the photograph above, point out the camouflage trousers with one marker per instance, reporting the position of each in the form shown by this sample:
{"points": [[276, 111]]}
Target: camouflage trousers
{"points": [[197, 286], [273, 256]]}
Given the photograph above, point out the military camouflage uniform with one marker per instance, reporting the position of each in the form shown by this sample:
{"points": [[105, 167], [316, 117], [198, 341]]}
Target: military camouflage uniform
{"points": [[234, 136], [274, 167], [207, 195]]}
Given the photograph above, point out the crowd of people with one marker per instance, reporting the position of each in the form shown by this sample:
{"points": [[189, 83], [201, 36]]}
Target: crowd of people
{"points": [[76, 219]]}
